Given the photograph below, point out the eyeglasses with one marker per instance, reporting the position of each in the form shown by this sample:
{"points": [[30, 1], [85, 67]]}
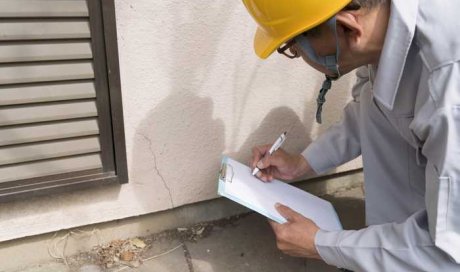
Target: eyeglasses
{"points": [[284, 50]]}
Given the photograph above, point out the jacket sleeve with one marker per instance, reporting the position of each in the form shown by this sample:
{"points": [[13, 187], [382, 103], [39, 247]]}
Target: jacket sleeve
{"points": [[340, 143], [429, 240]]}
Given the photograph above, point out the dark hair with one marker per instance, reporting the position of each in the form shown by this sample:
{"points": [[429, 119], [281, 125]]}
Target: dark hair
{"points": [[354, 5], [357, 4]]}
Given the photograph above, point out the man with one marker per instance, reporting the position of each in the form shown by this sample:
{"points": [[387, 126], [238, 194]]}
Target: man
{"points": [[404, 120]]}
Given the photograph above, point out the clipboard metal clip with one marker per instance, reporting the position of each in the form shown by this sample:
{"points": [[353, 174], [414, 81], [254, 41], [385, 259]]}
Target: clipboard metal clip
{"points": [[226, 173]]}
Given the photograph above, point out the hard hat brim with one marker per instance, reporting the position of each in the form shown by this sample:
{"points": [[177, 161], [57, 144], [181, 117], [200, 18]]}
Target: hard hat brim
{"points": [[264, 44]]}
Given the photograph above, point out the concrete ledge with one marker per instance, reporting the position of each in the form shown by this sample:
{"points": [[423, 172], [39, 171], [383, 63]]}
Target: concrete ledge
{"points": [[32, 250]]}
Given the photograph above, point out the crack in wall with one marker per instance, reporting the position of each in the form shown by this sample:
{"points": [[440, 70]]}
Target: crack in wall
{"points": [[165, 184]]}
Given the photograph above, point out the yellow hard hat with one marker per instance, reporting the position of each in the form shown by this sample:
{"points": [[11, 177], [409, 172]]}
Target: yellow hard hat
{"points": [[281, 20]]}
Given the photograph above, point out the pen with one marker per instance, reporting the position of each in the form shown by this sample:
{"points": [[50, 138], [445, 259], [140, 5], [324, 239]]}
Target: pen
{"points": [[274, 147]]}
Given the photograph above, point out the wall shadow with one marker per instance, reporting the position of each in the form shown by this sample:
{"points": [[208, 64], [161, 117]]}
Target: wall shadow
{"points": [[285, 119], [178, 144]]}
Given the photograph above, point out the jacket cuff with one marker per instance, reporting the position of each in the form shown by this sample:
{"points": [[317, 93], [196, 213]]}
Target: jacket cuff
{"points": [[327, 245], [317, 157]]}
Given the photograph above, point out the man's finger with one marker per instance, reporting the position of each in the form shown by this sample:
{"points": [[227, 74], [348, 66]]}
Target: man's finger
{"points": [[270, 174], [265, 162], [275, 225], [288, 213], [260, 175], [256, 156]]}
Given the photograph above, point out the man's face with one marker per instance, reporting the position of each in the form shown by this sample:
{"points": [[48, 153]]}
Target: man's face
{"points": [[324, 44]]}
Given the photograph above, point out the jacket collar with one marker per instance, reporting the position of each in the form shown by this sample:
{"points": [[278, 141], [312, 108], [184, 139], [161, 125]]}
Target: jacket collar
{"points": [[400, 33]]}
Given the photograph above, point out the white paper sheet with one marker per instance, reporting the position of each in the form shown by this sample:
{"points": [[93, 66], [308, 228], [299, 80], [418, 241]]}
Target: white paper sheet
{"points": [[262, 197]]}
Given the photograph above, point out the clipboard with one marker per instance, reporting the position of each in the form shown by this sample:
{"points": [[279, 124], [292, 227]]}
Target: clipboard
{"points": [[236, 183]]}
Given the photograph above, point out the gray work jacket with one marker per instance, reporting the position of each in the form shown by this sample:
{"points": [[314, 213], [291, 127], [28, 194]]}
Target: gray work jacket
{"points": [[405, 122]]}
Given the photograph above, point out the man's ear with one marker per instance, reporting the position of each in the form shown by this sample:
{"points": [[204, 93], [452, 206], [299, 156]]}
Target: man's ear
{"points": [[349, 24]]}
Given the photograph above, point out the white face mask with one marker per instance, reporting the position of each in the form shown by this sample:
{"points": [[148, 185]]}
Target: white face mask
{"points": [[329, 62]]}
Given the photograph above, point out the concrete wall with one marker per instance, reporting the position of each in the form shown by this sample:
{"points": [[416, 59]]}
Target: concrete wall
{"points": [[192, 91]]}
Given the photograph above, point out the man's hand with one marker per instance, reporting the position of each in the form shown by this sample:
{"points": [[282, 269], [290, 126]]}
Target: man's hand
{"points": [[280, 165], [297, 236]]}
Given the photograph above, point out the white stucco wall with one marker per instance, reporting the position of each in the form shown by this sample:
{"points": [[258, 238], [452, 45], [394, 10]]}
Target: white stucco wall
{"points": [[192, 91]]}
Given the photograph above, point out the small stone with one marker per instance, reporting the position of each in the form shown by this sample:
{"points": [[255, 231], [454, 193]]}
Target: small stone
{"points": [[127, 256], [200, 231], [138, 243]]}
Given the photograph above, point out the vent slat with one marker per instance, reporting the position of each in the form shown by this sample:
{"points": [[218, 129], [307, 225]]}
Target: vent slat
{"points": [[45, 113], [46, 132], [44, 29], [45, 51], [46, 93], [14, 74], [48, 150], [50, 167], [43, 8]]}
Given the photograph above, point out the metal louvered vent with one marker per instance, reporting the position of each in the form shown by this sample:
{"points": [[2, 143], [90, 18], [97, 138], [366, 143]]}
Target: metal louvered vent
{"points": [[51, 91]]}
